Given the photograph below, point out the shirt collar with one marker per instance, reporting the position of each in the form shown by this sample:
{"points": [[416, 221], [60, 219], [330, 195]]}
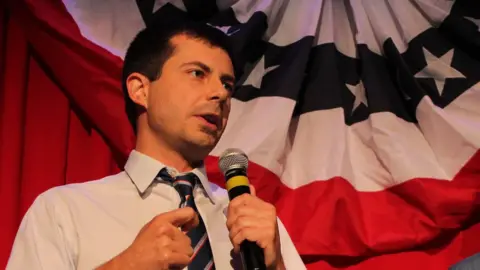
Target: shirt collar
{"points": [[143, 169]]}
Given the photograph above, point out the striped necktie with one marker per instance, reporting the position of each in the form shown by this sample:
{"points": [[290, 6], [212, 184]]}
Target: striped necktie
{"points": [[202, 257]]}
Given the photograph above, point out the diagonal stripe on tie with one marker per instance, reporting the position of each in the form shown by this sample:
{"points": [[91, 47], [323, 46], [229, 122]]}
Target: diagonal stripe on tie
{"points": [[209, 265], [199, 245]]}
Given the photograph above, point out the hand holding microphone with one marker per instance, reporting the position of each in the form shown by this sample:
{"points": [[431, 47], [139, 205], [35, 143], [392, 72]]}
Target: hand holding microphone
{"points": [[251, 221]]}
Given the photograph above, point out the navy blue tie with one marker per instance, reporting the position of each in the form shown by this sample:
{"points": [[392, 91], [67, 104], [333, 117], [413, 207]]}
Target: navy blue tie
{"points": [[202, 253]]}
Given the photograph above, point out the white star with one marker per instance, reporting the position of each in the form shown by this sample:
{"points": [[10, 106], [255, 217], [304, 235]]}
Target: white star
{"points": [[225, 29], [439, 69], [256, 75], [359, 92], [475, 21]]}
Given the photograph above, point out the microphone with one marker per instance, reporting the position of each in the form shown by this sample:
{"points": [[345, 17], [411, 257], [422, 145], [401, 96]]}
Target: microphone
{"points": [[234, 163]]}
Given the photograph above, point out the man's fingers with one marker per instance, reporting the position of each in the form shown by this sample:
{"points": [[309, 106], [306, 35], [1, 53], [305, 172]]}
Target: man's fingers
{"points": [[247, 205], [252, 190], [191, 223], [177, 260], [242, 223], [243, 200], [250, 234], [247, 212], [181, 217], [181, 246], [180, 236]]}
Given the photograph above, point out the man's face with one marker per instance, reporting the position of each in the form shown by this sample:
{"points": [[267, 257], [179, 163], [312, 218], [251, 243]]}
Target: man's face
{"points": [[188, 106]]}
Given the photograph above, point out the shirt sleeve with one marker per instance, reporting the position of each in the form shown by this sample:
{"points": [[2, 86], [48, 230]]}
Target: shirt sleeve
{"points": [[291, 257], [40, 242]]}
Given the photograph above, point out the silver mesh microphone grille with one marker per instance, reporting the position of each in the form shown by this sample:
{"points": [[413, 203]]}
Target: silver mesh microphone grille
{"points": [[233, 158]]}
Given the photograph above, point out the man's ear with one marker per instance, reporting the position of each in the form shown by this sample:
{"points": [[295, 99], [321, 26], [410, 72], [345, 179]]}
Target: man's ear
{"points": [[137, 87]]}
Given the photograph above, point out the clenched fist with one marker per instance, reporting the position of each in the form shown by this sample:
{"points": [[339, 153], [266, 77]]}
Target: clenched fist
{"points": [[160, 244]]}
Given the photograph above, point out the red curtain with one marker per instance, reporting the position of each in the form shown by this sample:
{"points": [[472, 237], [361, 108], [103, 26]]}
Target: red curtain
{"points": [[53, 126]]}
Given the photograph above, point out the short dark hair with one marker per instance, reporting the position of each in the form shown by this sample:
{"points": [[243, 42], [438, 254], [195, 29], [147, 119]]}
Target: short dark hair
{"points": [[152, 47]]}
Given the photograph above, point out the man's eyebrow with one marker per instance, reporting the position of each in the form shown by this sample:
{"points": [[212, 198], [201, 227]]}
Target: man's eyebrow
{"points": [[223, 77], [198, 64], [227, 77]]}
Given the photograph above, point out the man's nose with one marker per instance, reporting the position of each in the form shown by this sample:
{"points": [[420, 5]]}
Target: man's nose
{"points": [[217, 91]]}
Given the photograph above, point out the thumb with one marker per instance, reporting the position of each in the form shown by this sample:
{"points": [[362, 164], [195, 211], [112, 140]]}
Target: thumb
{"points": [[252, 190]]}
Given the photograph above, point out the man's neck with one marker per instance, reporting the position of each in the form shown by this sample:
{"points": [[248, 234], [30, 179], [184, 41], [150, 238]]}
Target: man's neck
{"points": [[160, 150]]}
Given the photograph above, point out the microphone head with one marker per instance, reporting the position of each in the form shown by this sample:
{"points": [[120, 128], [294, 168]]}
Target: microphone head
{"points": [[232, 158]]}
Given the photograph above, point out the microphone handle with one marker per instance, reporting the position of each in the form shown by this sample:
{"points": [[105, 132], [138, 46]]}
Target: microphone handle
{"points": [[252, 255]]}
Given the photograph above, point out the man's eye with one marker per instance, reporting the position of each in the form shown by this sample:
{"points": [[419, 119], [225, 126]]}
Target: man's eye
{"points": [[197, 73], [228, 86]]}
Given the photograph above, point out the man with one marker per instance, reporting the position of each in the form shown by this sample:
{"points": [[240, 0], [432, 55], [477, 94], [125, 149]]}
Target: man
{"points": [[178, 82]]}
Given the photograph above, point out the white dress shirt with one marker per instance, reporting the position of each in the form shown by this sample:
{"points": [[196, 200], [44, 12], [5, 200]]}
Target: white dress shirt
{"points": [[82, 226]]}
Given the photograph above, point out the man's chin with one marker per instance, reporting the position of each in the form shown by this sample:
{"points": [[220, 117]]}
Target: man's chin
{"points": [[206, 144], [208, 137], [202, 145]]}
